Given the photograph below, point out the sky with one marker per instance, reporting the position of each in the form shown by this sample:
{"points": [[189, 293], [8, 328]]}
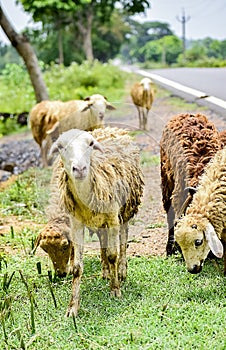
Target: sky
{"points": [[205, 18]]}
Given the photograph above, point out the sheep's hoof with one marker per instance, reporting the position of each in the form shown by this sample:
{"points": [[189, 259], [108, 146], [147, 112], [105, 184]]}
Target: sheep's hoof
{"points": [[72, 310], [122, 271], [116, 292], [105, 273]]}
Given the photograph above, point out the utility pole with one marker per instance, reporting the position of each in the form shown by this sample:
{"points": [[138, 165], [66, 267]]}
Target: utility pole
{"points": [[183, 19]]}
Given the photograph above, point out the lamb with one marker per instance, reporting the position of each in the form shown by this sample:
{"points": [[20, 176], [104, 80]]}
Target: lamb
{"points": [[99, 184], [203, 228], [85, 114], [188, 143], [142, 95]]}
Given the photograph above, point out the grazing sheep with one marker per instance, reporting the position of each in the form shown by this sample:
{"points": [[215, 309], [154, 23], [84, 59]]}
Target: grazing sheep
{"points": [[188, 143], [85, 114], [99, 184], [204, 225], [142, 95]]}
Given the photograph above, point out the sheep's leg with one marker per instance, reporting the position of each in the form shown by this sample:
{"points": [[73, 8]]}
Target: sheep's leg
{"points": [[170, 242], [113, 259], [145, 118], [103, 238], [78, 240], [223, 239], [140, 117], [143, 111], [44, 153], [122, 269]]}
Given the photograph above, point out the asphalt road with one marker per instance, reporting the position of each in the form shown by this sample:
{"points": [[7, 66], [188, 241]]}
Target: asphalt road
{"points": [[212, 81]]}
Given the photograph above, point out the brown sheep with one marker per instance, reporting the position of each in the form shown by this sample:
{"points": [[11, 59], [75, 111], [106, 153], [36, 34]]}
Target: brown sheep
{"points": [[142, 95], [188, 143], [85, 114]]}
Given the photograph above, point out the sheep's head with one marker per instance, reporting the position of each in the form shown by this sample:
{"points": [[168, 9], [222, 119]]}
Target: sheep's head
{"points": [[75, 147], [196, 236], [146, 83], [98, 104]]}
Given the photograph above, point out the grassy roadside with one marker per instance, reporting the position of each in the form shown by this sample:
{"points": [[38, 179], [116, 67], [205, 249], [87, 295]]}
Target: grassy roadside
{"points": [[162, 306]]}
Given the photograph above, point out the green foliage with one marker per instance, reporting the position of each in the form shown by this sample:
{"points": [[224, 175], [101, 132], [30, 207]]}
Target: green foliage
{"points": [[64, 83], [16, 92], [80, 81], [165, 49], [204, 53], [10, 126]]}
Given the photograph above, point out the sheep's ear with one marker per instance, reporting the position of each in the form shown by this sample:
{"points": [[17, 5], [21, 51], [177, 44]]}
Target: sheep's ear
{"points": [[110, 106], [53, 128], [87, 107], [56, 147], [96, 145], [214, 242]]}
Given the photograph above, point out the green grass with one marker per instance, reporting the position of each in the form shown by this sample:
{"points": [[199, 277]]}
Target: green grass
{"points": [[162, 307], [27, 197], [147, 159]]}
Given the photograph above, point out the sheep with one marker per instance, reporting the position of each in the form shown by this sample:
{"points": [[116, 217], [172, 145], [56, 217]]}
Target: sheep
{"points": [[203, 228], [142, 95], [86, 114], [187, 144], [99, 184]]}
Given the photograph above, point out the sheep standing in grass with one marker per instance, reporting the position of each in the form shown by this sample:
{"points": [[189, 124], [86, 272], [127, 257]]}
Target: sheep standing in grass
{"points": [[188, 143], [99, 184], [85, 114], [204, 226], [142, 95]]}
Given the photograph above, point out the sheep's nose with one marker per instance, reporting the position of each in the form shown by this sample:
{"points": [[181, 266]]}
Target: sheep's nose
{"points": [[101, 116], [195, 269], [79, 172]]}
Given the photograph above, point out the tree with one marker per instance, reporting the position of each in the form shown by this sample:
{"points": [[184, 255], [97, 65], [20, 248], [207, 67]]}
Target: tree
{"points": [[165, 50], [25, 50], [81, 13], [142, 34]]}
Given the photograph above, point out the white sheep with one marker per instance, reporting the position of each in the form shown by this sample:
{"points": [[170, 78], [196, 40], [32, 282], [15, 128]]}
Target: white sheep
{"points": [[99, 184], [142, 94], [204, 226], [86, 114]]}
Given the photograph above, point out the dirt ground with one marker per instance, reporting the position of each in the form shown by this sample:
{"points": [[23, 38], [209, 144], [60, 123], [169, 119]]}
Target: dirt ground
{"points": [[148, 230]]}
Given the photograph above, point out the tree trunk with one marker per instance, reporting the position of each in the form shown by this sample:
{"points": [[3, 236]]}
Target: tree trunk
{"points": [[60, 45], [87, 43], [25, 50], [85, 28]]}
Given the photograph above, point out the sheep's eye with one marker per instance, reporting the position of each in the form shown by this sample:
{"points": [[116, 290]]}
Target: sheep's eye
{"points": [[198, 242], [194, 226], [91, 143]]}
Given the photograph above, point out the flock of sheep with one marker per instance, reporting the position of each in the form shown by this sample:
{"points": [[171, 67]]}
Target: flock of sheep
{"points": [[97, 184]]}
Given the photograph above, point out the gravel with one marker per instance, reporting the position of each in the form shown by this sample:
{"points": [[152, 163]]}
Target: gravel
{"points": [[16, 156]]}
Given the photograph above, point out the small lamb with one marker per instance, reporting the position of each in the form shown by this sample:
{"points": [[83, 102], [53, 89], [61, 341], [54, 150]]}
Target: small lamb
{"points": [[99, 184], [203, 228]]}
